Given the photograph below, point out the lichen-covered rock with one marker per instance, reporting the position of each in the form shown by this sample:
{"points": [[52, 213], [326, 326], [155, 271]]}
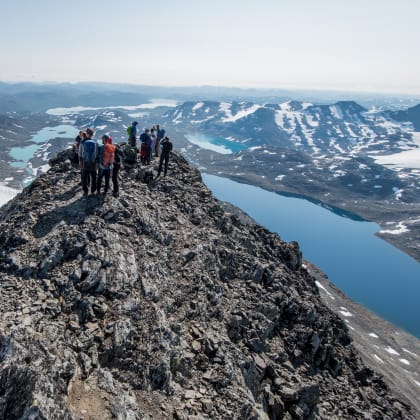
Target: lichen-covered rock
{"points": [[160, 304]]}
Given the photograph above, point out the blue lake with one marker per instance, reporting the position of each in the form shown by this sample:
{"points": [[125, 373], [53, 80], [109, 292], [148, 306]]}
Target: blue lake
{"points": [[24, 154], [366, 268], [216, 144]]}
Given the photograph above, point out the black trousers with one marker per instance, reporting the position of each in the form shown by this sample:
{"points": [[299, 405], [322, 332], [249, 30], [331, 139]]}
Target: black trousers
{"points": [[148, 155], [103, 173], [115, 171], [157, 147], [164, 157], [89, 174]]}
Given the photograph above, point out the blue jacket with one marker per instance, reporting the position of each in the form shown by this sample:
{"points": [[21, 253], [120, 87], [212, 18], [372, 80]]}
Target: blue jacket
{"points": [[144, 137]]}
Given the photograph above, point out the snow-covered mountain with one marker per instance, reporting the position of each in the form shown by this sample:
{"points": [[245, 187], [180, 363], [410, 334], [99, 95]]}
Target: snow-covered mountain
{"points": [[342, 127]]}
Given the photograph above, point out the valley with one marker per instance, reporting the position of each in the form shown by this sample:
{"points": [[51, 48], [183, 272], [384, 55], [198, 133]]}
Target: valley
{"points": [[360, 162]]}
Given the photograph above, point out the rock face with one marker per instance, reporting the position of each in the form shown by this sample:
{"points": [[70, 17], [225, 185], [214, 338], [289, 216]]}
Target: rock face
{"points": [[159, 304]]}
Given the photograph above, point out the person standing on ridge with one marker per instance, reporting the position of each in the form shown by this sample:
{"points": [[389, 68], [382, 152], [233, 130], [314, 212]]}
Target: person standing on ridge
{"points": [[116, 169], [88, 153], [132, 134], [106, 155], [153, 136], [149, 149], [160, 134], [164, 156], [76, 146], [83, 139], [144, 138]]}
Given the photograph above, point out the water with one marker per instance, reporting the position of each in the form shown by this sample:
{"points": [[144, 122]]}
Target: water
{"points": [[24, 154], [369, 270], [153, 103], [216, 144]]}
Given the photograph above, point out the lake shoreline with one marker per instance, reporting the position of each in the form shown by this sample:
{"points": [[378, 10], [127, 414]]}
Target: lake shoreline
{"points": [[368, 269], [364, 211], [390, 350]]}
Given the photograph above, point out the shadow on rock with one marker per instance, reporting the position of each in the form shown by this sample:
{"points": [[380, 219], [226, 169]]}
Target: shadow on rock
{"points": [[73, 214]]}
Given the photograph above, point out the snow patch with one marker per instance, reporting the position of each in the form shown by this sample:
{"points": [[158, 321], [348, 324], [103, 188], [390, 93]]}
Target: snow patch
{"points": [[343, 311], [320, 286], [373, 335], [409, 352], [405, 362], [399, 229], [378, 358], [240, 114], [6, 193], [198, 105], [390, 350]]}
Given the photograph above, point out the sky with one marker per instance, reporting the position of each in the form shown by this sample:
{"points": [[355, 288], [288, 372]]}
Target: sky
{"points": [[354, 45]]}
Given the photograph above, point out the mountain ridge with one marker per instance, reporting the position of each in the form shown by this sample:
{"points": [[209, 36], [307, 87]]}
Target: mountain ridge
{"points": [[160, 304]]}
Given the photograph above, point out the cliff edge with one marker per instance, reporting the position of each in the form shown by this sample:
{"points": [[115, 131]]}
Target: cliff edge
{"points": [[159, 304]]}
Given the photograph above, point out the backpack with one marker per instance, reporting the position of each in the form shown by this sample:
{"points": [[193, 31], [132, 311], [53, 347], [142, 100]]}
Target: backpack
{"points": [[148, 177], [117, 156], [89, 152], [108, 155], [130, 155], [130, 130]]}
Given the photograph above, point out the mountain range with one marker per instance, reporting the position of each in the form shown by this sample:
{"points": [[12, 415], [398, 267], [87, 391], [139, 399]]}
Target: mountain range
{"points": [[361, 161]]}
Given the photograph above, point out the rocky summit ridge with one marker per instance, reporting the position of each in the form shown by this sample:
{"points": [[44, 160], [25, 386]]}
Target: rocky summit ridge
{"points": [[160, 304]]}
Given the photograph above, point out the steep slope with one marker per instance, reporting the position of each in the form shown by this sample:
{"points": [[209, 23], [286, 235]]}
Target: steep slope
{"points": [[411, 114], [161, 305]]}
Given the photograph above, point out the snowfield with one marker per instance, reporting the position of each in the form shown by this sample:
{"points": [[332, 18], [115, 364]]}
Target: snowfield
{"points": [[6, 193]]}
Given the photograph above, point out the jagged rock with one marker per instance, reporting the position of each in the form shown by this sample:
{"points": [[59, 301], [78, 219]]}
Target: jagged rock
{"points": [[161, 303]]}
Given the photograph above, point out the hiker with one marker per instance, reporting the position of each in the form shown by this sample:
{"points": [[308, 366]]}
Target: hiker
{"points": [[88, 153], [115, 170], [149, 149], [144, 138], [164, 155], [106, 155], [132, 134], [76, 145], [160, 134], [80, 162], [152, 143]]}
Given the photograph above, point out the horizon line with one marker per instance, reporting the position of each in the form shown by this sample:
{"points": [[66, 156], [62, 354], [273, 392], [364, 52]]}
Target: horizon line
{"points": [[220, 86]]}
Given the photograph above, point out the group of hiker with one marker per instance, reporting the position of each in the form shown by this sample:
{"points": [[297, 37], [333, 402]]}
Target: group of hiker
{"points": [[103, 162]]}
